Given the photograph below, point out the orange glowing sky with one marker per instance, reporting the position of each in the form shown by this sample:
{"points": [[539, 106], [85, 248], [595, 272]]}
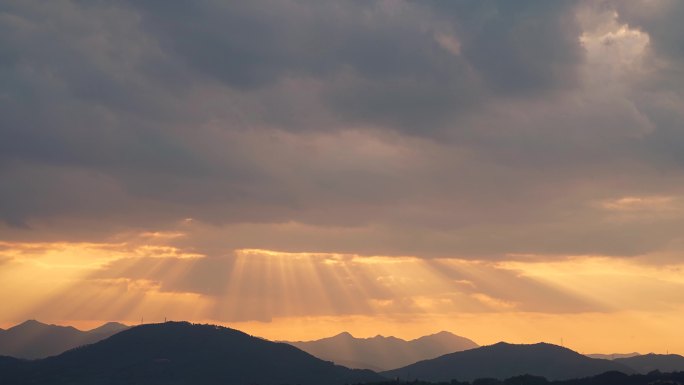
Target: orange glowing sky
{"points": [[501, 170], [594, 303]]}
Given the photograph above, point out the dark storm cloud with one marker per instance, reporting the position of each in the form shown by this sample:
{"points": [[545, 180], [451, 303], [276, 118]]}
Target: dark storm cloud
{"points": [[432, 128], [382, 62], [377, 61], [661, 20], [518, 47]]}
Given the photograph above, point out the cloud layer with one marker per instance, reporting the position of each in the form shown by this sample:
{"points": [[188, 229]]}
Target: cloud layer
{"points": [[473, 129]]}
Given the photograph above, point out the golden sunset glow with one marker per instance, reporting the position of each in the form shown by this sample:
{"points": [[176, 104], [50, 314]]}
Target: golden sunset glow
{"points": [[502, 170], [591, 302]]}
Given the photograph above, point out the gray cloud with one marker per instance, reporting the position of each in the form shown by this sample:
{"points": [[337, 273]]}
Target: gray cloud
{"points": [[467, 128], [659, 20], [518, 47], [660, 87]]}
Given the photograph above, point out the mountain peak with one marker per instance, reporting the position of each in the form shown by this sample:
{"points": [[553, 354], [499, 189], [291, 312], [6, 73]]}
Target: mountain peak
{"points": [[200, 354], [109, 327], [29, 325], [504, 360], [538, 346], [343, 335], [380, 337], [33, 339], [442, 333], [383, 352], [649, 362], [31, 322]]}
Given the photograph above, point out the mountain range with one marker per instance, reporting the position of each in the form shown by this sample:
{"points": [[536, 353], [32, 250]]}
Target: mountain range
{"points": [[33, 339], [612, 356], [505, 360], [383, 353], [181, 353], [649, 362], [184, 353]]}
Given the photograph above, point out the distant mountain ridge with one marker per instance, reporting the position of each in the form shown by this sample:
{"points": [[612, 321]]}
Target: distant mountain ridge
{"points": [[32, 339], [383, 353], [649, 362], [141, 355], [505, 360], [612, 356], [181, 353]]}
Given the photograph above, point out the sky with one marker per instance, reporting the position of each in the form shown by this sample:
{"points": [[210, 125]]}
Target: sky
{"points": [[502, 170]]}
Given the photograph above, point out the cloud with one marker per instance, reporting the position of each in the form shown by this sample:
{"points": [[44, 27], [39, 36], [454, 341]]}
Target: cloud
{"points": [[521, 47], [659, 20], [473, 129]]}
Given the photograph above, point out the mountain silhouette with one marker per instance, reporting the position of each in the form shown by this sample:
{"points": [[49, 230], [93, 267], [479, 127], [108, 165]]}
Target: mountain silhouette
{"points": [[182, 353], [33, 339], [612, 356], [649, 362], [383, 353], [504, 360]]}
